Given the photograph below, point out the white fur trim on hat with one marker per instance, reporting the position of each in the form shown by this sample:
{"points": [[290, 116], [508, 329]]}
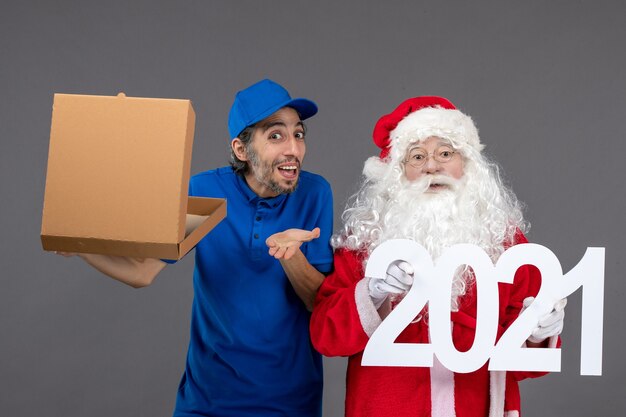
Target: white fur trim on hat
{"points": [[448, 124], [374, 168]]}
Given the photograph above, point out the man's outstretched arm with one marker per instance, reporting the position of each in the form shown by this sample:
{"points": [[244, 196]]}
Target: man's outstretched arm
{"points": [[304, 278], [136, 272]]}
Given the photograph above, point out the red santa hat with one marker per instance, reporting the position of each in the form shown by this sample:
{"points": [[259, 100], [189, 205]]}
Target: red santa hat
{"points": [[418, 118]]}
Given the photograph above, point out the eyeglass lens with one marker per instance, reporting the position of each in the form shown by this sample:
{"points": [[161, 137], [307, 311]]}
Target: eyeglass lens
{"points": [[418, 156]]}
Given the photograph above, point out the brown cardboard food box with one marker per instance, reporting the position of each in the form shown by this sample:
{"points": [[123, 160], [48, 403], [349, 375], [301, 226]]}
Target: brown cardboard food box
{"points": [[117, 180]]}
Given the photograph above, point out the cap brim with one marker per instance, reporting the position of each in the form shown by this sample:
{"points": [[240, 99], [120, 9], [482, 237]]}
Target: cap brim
{"points": [[305, 107]]}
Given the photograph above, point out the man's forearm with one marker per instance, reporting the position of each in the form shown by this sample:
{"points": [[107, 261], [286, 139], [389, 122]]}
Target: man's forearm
{"points": [[136, 272], [304, 278]]}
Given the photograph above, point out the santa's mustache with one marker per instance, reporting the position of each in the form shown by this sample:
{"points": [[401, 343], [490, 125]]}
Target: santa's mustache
{"points": [[424, 183]]}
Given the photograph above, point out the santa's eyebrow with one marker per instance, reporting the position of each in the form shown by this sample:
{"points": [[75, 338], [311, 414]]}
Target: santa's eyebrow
{"points": [[414, 148], [442, 142]]}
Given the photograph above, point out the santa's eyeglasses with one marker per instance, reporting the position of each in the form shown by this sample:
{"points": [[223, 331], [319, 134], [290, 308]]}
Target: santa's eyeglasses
{"points": [[418, 156]]}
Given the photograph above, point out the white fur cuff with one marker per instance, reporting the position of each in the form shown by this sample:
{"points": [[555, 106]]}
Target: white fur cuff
{"points": [[369, 316]]}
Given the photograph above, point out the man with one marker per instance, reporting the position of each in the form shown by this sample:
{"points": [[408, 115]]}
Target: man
{"points": [[249, 351], [431, 184]]}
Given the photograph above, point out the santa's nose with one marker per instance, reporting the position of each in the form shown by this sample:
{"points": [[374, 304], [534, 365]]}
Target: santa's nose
{"points": [[431, 166]]}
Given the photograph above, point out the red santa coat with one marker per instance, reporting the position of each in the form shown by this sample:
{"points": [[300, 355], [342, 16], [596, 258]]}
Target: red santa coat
{"points": [[344, 318]]}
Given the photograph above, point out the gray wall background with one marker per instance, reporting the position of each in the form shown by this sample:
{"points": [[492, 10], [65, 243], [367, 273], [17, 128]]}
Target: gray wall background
{"points": [[543, 80]]}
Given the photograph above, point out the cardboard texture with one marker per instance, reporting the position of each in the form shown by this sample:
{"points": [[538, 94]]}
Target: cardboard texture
{"points": [[118, 175]]}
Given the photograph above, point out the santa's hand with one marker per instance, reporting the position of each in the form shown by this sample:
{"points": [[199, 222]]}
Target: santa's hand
{"points": [[551, 324], [284, 245], [398, 280]]}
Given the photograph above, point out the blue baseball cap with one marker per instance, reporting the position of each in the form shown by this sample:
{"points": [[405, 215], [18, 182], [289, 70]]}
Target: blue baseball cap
{"points": [[261, 100]]}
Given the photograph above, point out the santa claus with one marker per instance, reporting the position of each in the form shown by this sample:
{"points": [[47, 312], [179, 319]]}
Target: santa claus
{"points": [[431, 184]]}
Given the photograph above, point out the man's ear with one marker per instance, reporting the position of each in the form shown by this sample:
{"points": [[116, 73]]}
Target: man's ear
{"points": [[239, 149]]}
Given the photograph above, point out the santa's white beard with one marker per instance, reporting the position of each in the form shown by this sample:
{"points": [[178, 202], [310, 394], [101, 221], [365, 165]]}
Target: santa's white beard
{"points": [[437, 220], [469, 210], [477, 209]]}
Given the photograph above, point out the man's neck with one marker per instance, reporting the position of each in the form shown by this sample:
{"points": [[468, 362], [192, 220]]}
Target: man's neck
{"points": [[259, 189]]}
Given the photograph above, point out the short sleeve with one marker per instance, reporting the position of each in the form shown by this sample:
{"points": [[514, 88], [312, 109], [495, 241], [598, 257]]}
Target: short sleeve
{"points": [[319, 252]]}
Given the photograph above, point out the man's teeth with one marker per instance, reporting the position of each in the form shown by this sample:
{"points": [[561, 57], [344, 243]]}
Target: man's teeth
{"points": [[289, 167]]}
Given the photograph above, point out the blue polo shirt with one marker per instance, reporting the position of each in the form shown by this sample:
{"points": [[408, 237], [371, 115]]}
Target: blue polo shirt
{"points": [[249, 351]]}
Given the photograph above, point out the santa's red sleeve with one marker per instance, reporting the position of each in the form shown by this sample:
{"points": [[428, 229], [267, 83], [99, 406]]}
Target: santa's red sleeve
{"points": [[344, 316]]}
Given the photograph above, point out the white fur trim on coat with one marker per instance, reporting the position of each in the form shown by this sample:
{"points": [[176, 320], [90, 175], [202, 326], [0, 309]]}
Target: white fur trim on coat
{"points": [[368, 315], [497, 387], [448, 124], [441, 390]]}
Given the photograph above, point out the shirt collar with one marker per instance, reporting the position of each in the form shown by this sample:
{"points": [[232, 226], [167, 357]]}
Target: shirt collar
{"points": [[253, 198]]}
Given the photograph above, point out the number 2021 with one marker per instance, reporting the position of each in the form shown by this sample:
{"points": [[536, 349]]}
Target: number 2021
{"points": [[432, 285]]}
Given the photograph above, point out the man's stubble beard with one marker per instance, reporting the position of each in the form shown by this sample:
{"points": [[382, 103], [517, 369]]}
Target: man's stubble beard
{"points": [[263, 172]]}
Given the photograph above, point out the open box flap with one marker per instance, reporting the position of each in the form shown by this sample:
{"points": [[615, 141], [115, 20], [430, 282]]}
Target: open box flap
{"points": [[118, 168]]}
